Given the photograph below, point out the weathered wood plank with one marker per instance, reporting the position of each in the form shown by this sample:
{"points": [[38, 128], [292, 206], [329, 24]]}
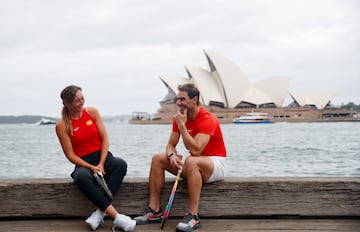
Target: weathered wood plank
{"points": [[231, 198], [223, 225]]}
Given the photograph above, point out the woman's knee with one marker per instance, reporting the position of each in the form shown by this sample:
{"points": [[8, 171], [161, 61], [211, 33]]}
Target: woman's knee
{"points": [[81, 175], [120, 164]]}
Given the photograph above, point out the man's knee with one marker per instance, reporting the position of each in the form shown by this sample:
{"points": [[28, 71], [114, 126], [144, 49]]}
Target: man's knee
{"points": [[157, 158], [191, 162]]}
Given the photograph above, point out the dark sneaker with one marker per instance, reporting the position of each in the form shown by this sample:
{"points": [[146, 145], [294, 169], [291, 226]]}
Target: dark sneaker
{"points": [[189, 223], [149, 216]]}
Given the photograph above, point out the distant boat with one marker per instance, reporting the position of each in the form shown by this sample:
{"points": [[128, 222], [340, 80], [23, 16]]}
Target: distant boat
{"points": [[45, 121], [253, 117]]}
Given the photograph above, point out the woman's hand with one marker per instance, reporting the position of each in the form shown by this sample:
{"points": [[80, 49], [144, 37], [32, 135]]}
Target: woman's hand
{"points": [[101, 169], [97, 169]]}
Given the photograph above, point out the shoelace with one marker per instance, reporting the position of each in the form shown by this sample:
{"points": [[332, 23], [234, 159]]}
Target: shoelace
{"points": [[150, 210], [188, 218]]}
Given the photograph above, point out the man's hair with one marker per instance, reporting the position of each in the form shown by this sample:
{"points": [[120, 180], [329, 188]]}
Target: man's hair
{"points": [[191, 90]]}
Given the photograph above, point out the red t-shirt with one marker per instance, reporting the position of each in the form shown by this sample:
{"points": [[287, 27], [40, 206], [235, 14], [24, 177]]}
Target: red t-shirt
{"points": [[85, 139], [206, 123]]}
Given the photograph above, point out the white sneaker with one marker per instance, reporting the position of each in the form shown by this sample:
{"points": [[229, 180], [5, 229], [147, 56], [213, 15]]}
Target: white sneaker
{"points": [[124, 222], [95, 219]]}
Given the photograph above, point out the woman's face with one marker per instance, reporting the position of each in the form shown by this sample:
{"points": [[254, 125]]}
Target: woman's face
{"points": [[77, 104]]}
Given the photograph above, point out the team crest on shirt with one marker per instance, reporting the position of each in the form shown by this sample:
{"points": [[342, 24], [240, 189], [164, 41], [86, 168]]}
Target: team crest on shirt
{"points": [[89, 122]]}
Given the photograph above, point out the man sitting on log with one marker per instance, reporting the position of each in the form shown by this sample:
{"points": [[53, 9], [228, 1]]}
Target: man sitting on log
{"points": [[202, 136]]}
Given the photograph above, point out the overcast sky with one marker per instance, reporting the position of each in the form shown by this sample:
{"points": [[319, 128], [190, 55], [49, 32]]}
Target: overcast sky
{"points": [[116, 50]]}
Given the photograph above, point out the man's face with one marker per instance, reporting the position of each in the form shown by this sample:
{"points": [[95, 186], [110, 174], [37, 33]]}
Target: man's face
{"points": [[183, 102]]}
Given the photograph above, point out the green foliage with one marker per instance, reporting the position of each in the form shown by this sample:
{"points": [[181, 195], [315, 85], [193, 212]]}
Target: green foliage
{"points": [[22, 119], [350, 106]]}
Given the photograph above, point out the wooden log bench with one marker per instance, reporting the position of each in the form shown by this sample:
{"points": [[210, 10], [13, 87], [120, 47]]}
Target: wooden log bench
{"points": [[231, 198]]}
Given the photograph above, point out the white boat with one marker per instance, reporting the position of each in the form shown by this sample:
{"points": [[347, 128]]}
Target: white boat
{"points": [[45, 121], [253, 117]]}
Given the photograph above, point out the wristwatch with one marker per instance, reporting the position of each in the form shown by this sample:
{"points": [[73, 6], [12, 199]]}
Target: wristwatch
{"points": [[170, 154]]}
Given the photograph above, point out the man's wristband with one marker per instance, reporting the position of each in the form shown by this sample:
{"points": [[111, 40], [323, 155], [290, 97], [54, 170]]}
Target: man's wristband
{"points": [[170, 154]]}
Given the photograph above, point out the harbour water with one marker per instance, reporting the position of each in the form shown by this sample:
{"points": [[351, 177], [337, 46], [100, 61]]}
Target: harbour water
{"points": [[278, 149]]}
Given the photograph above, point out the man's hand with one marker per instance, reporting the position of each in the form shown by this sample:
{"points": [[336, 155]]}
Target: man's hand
{"points": [[175, 161], [181, 117]]}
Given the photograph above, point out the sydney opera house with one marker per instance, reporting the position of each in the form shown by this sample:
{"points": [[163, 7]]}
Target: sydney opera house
{"points": [[227, 93]]}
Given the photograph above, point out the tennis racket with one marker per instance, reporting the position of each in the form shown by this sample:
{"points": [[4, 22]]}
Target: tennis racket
{"points": [[101, 181], [171, 199]]}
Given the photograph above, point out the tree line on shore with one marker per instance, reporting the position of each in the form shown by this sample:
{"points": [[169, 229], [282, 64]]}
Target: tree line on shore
{"points": [[350, 106], [23, 119], [32, 119], [35, 118]]}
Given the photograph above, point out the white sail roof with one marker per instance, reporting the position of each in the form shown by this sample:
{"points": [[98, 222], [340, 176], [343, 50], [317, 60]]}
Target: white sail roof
{"points": [[226, 83], [256, 96], [172, 82], [208, 85], [231, 78], [318, 99], [276, 88]]}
